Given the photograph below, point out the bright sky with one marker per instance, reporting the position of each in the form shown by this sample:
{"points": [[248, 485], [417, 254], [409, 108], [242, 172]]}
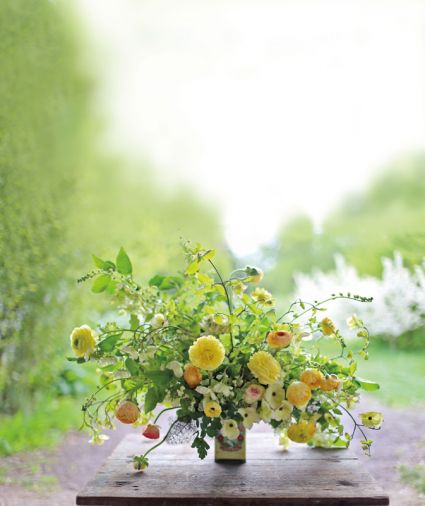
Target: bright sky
{"points": [[266, 107]]}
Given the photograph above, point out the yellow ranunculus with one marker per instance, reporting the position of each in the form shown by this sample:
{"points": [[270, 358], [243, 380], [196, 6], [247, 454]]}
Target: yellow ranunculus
{"points": [[262, 296], [372, 419], [302, 431], [264, 367], [313, 378], [327, 326], [212, 409], [207, 353], [298, 394], [83, 340]]}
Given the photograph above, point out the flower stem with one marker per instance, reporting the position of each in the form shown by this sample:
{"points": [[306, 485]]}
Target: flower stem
{"points": [[162, 441]]}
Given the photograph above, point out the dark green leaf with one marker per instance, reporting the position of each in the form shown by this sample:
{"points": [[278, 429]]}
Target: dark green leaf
{"points": [[165, 282], [123, 262], [151, 400], [100, 283], [108, 344], [132, 366], [159, 378], [79, 360]]}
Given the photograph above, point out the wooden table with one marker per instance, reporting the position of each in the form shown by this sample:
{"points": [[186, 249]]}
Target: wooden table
{"points": [[301, 476]]}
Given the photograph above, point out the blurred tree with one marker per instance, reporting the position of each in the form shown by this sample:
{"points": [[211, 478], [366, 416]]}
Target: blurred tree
{"points": [[60, 201], [387, 217]]}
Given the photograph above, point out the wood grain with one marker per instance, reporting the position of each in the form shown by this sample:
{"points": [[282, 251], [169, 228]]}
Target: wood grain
{"points": [[301, 476]]}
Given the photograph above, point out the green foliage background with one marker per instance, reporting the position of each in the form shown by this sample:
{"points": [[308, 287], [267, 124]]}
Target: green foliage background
{"points": [[61, 201]]}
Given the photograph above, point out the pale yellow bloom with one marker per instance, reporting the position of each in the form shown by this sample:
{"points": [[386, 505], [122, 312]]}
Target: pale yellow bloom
{"points": [[372, 419], [158, 321], [265, 411], [83, 341], [302, 431], [250, 416], [264, 367], [275, 395], [230, 429], [283, 412], [327, 326], [298, 394], [176, 368], [262, 296], [313, 378], [207, 353]]}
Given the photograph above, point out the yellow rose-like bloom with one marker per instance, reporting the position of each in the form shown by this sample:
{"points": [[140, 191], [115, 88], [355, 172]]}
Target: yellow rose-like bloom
{"points": [[212, 409], [302, 431], [83, 340], [262, 296], [298, 394], [372, 419], [264, 367], [207, 353], [327, 326], [313, 378]]}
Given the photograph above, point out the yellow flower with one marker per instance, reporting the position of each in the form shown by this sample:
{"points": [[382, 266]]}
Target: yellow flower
{"points": [[302, 431], [313, 378], [331, 382], [275, 395], [230, 429], [372, 419], [262, 296], [83, 340], [284, 440], [207, 353], [298, 394], [264, 367], [212, 409], [255, 274], [327, 326]]}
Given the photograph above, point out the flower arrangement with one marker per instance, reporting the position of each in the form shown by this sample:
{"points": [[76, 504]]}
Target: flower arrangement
{"points": [[217, 352]]}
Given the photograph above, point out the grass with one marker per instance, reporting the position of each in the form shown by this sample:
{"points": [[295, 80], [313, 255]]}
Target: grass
{"points": [[400, 373], [42, 427], [414, 476]]}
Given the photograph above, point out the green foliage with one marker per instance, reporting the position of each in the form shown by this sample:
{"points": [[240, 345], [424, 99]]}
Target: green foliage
{"points": [[414, 476], [387, 217], [60, 201]]}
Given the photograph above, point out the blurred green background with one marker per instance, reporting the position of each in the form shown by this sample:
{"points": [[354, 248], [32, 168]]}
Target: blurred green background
{"points": [[63, 198]]}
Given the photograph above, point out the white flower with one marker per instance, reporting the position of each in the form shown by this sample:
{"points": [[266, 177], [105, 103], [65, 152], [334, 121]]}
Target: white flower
{"points": [[158, 321], [221, 388], [206, 392], [250, 416], [283, 412], [230, 429], [275, 395], [98, 439], [176, 368], [265, 411]]}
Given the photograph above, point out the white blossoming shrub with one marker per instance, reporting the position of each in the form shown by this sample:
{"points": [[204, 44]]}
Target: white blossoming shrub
{"points": [[398, 303]]}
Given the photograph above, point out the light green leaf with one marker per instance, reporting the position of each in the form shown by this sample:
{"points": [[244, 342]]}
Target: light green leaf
{"points": [[109, 343], [123, 262], [369, 386], [100, 283], [193, 267]]}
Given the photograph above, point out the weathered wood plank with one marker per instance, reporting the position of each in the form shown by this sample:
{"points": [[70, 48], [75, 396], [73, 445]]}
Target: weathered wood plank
{"points": [[269, 477]]}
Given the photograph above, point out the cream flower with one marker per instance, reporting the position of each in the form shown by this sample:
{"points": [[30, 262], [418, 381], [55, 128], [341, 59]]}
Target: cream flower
{"points": [[284, 440], [283, 412], [250, 416], [253, 393], [158, 321], [265, 411], [275, 395], [98, 439], [223, 389], [230, 429], [176, 368]]}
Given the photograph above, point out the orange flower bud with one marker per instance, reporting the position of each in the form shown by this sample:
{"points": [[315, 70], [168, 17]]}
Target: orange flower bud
{"points": [[127, 412], [279, 339], [192, 375]]}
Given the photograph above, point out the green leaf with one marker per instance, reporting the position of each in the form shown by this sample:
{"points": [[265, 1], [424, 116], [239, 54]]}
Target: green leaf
{"points": [[209, 254], [100, 283], [123, 262], [132, 366], [166, 282], [369, 386], [98, 262], [193, 267], [134, 322], [108, 344], [151, 400], [159, 378]]}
